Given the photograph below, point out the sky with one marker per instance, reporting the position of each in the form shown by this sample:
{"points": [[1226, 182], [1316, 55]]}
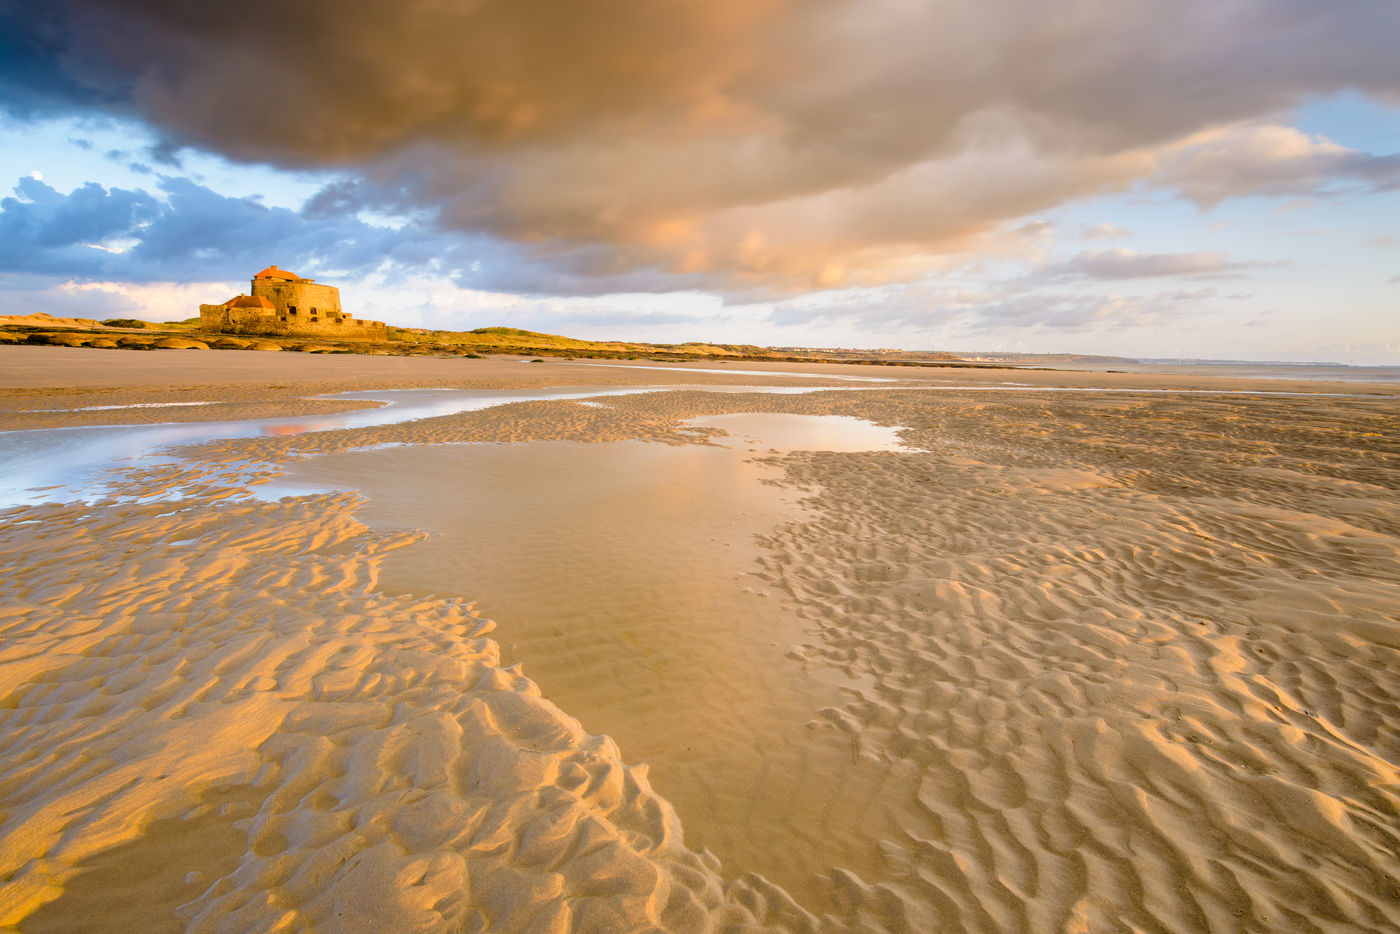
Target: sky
{"points": [[1215, 179]]}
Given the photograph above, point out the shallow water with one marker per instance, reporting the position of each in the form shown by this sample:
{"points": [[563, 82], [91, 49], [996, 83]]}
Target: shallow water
{"points": [[622, 576], [54, 464]]}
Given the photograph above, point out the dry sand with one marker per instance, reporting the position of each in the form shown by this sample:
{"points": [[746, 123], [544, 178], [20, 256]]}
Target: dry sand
{"points": [[1069, 662]]}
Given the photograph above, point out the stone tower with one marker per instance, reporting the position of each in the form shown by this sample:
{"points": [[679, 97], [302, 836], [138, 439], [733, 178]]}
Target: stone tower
{"points": [[302, 301]]}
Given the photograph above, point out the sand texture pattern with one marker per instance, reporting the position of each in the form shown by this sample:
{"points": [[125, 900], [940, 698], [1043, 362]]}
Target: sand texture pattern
{"points": [[1136, 659], [1121, 662], [1142, 659], [232, 664]]}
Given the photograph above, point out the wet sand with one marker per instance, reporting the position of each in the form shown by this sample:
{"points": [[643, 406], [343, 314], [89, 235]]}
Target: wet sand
{"points": [[625, 577], [1064, 661]]}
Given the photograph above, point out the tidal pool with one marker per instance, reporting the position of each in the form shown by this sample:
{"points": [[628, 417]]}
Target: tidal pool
{"points": [[622, 576]]}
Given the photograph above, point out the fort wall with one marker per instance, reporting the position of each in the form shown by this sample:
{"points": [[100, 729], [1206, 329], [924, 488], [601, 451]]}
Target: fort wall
{"points": [[254, 321]]}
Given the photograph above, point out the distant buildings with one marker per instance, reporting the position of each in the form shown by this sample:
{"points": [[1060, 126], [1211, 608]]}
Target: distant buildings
{"points": [[283, 303]]}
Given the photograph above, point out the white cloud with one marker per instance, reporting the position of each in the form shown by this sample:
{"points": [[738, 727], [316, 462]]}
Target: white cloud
{"points": [[1266, 159], [152, 301]]}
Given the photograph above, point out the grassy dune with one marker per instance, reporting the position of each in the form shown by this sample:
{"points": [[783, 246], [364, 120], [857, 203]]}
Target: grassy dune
{"points": [[136, 334]]}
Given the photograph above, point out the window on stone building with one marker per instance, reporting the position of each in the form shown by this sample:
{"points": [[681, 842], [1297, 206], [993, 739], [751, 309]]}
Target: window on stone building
{"points": [[291, 309]]}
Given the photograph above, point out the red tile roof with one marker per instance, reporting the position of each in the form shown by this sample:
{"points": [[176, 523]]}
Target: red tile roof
{"points": [[272, 272], [249, 301]]}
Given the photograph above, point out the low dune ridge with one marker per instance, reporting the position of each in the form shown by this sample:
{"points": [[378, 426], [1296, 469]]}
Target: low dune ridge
{"points": [[43, 320], [1123, 662]]}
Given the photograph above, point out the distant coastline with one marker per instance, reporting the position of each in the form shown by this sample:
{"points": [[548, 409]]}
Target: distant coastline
{"points": [[1308, 372]]}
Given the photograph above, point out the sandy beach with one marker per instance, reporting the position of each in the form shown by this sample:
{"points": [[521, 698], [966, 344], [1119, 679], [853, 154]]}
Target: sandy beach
{"points": [[696, 648]]}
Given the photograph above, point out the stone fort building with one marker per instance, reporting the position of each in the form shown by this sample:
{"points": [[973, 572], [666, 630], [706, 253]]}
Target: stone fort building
{"points": [[283, 303]]}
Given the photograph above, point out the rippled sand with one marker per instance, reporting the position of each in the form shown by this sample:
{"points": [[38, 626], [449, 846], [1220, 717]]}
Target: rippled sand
{"points": [[1093, 662]]}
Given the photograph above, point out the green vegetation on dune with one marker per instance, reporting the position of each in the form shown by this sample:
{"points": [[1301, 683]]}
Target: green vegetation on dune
{"points": [[516, 340], [517, 333], [474, 343], [189, 324]]}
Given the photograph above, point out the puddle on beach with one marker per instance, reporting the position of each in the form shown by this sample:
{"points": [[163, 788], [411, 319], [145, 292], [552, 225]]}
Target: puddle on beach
{"points": [[763, 432], [55, 464], [621, 575]]}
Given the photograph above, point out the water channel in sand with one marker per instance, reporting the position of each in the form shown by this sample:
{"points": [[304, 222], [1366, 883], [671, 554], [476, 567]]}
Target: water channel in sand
{"points": [[58, 464], [621, 575]]}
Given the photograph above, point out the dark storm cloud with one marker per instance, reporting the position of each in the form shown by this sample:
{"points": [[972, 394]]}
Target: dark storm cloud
{"points": [[732, 142], [34, 79]]}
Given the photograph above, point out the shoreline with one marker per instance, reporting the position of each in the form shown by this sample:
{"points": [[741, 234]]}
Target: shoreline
{"points": [[1076, 623], [40, 387]]}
